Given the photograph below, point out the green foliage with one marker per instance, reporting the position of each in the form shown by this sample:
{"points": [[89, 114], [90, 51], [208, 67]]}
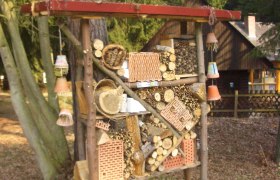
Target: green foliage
{"points": [[217, 3]]}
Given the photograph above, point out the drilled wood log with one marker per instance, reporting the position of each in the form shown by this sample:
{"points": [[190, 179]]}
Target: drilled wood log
{"points": [[169, 96], [167, 143], [151, 161], [157, 97], [172, 58], [160, 106], [159, 150]]}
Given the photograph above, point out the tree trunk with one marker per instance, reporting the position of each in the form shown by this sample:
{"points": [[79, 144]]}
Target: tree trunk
{"points": [[36, 116], [45, 47]]}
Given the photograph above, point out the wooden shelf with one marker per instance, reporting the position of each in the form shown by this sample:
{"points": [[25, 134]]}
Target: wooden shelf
{"points": [[157, 174], [83, 117]]}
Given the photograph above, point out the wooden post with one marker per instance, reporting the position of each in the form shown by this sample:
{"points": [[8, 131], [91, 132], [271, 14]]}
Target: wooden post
{"points": [[235, 103], [203, 119], [251, 77], [88, 79]]}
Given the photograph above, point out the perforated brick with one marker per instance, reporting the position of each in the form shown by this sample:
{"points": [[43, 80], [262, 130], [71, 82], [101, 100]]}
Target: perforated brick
{"points": [[144, 66], [188, 147], [111, 160], [177, 114], [173, 162]]}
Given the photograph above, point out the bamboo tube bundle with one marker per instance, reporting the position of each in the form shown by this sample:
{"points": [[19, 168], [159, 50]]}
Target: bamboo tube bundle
{"points": [[128, 150]]}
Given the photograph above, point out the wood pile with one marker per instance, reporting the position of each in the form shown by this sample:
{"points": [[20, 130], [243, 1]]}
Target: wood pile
{"points": [[168, 62], [186, 59]]}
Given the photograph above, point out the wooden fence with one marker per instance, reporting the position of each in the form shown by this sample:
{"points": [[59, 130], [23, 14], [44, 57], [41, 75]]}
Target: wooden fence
{"points": [[260, 104]]}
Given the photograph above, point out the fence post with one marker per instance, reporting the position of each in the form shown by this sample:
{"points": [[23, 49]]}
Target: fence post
{"points": [[235, 103]]}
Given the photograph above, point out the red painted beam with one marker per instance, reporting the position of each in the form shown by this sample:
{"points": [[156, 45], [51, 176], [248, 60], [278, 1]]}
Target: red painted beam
{"points": [[84, 8]]}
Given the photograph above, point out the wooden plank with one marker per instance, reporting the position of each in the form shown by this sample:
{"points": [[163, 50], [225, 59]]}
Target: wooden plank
{"points": [[244, 110], [235, 104], [86, 8], [132, 125], [157, 174]]}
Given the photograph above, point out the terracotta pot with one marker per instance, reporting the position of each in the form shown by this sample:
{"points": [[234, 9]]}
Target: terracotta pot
{"points": [[65, 118], [61, 85], [212, 70], [211, 38], [213, 93]]}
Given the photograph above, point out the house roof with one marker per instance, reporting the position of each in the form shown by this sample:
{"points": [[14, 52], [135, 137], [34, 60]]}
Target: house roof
{"points": [[261, 28]]}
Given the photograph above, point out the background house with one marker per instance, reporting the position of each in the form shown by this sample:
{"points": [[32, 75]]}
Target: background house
{"points": [[239, 69]]}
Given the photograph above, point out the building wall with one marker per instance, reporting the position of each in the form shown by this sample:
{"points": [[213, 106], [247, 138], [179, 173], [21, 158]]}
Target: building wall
{"points": [[239, 80], [234, 52]]}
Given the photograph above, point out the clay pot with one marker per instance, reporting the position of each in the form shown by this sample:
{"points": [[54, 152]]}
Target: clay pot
{"points": [[212, 70], [61, 85], [65, 118], [213, 93], [211, 38]]}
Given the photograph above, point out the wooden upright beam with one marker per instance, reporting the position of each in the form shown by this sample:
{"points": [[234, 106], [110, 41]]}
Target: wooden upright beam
{"points": [[92, 155], [203, 119]]}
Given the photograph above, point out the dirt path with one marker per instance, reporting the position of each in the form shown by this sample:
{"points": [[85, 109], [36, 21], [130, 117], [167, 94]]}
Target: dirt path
{"points": [[17, 159], [239, 149]]}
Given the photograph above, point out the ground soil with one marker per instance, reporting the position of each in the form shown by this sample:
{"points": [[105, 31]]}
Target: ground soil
{"points": [[239, 149]]}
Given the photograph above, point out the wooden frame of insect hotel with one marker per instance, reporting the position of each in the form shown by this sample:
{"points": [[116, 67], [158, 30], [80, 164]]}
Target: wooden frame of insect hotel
{"points": [[143, 125]]}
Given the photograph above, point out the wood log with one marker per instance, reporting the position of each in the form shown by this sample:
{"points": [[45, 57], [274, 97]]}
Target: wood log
{"points": [[165, 48], [154, 131], [172, 58], [164, 152], [161, 168], [197, 112], [174, 152], [157, 97], [156, 139], [102, 137], [98, 53], [169, 75], [162, 68], [159, 143], [199, 91], [167, 143], [81, 170], [159, 158], [193, 135], [165, 134], [169, 96], [120, 72], [174, 140], [171, 66], [98, 45], [132, 124], [159, 150], [187, 136], [157, 163], [154, 154], [156, 120], [151, 161], [160, 106]]}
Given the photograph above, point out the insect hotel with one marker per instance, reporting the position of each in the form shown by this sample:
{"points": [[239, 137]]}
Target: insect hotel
{"points": [[143, 120]]}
